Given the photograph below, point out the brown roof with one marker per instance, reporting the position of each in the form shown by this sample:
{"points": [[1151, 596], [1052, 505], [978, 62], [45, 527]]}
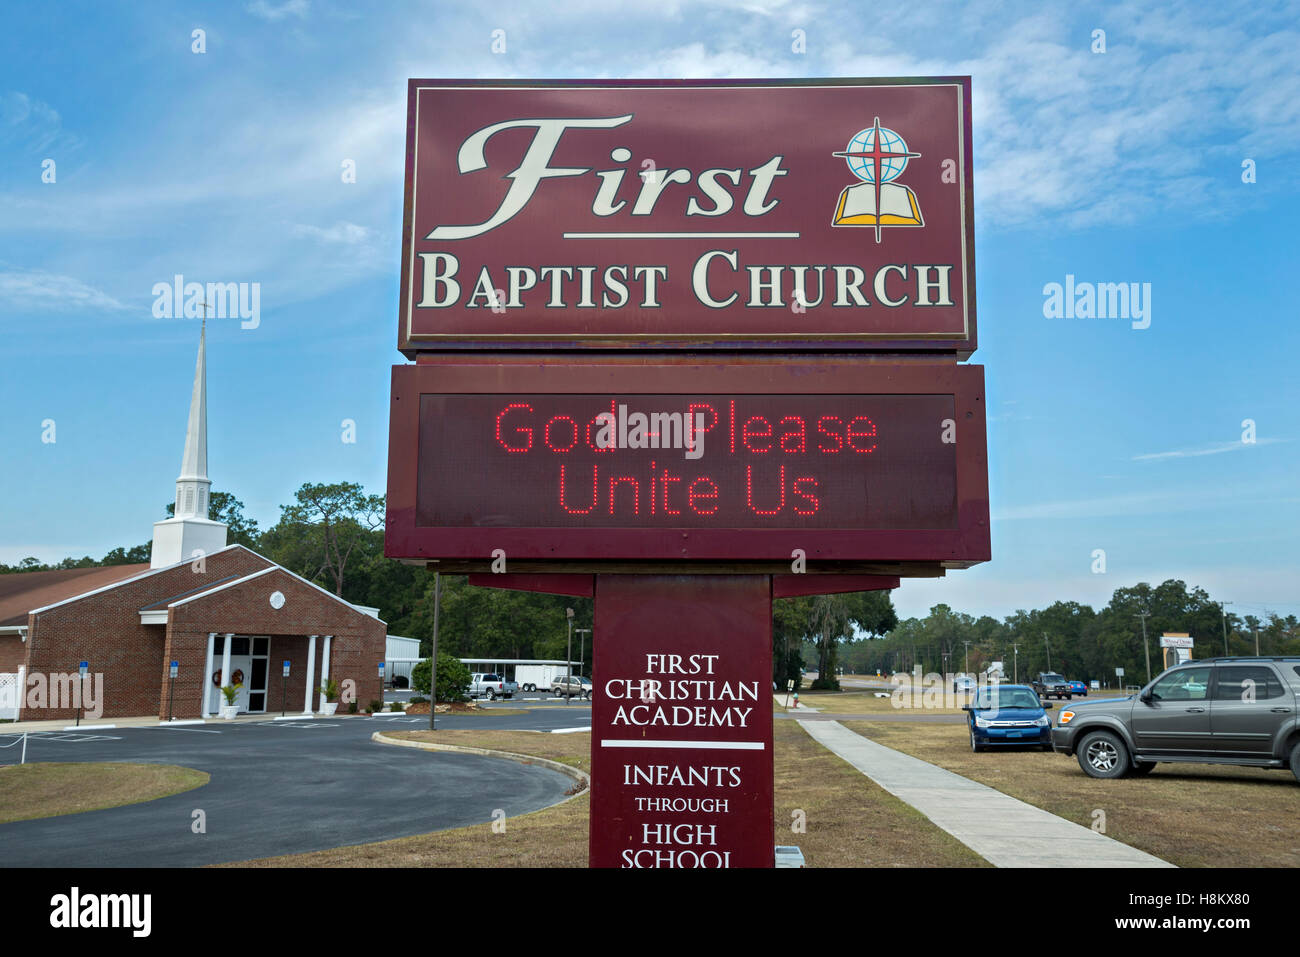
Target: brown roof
{"points": [[20, 592]]}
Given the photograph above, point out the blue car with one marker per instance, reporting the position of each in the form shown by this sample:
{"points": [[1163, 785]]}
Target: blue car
{"points": [[1008, 716], [1079, 688]]}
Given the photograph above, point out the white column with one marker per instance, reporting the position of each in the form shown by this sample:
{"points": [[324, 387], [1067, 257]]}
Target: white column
{"points": [[311, 670], [325, 664], [225, 665], [207, 676]]}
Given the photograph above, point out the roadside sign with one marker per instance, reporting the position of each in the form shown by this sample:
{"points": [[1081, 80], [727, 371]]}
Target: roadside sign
{"points": [[688, 461], [1119, 672], [286, 667], [691, 213], [174, 668], [83, 668]]}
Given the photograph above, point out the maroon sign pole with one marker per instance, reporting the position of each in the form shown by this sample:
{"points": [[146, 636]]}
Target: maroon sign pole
{"points": [[682, 722]]}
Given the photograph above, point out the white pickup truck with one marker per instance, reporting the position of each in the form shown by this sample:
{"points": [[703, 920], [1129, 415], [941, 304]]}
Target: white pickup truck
{"points": [[491, 686]]}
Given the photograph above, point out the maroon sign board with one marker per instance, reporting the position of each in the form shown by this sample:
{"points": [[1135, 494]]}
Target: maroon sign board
{"points": [[829, 215], [597, 462], [681, 723]]}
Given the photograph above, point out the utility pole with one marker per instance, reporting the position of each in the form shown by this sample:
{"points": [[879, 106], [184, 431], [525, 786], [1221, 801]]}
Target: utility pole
{"points": [[582, 647], [1049, 651], [1255, 629], [433, 671], [1144, 615], [568, 662], [967, 644], [1223, 612], [1015, 664]]}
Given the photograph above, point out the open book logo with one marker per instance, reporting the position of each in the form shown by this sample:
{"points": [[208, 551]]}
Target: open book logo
{"points": [[877, 156]]}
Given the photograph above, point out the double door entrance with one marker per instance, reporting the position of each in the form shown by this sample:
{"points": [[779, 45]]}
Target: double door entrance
{"points": [[249, 656]]}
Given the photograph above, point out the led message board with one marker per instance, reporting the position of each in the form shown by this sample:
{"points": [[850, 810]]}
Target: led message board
{"points": [[683, 461], [785, 215]]}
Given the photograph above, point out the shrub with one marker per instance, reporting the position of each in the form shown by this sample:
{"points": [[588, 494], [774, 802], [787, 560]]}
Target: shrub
{"points": [[376, 705], [352, 707], [418, 699], [453, 678]]}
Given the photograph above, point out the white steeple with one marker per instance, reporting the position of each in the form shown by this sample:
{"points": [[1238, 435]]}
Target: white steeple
{"points": [[190, 533], [193, 484]]}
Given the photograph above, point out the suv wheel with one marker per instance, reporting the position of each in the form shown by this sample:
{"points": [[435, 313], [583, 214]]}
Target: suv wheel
{"points": [[1103, 755], [1295, 760], [492, 695]]}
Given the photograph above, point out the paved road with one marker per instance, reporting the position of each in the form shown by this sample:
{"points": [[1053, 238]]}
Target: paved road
{"points": [[279, 788]]}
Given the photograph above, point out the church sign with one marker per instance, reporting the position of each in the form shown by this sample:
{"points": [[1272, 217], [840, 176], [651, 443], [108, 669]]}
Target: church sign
{"points": [[779, 215], [687, 461]]}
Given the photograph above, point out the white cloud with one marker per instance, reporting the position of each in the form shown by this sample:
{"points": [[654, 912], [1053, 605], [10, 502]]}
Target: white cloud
{"points": [[32, 125], [269, 11], [1214, 448], [32, 289], [349, 234]]}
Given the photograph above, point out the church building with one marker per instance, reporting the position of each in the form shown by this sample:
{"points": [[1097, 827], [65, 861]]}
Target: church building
{"points": [[222, 613]]}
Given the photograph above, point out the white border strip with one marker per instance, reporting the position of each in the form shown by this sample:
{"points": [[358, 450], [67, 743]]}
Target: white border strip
{"points": [[703, 745]]}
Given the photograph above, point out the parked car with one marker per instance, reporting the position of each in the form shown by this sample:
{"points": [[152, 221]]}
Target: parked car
{"points": [[491, 686], [571, 686], [1239, 711], [1049, 684], [1079, 688], [1007, 715]]}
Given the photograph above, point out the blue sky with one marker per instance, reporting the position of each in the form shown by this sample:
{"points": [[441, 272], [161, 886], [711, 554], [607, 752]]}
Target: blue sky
{"points": [[1122, 166]]}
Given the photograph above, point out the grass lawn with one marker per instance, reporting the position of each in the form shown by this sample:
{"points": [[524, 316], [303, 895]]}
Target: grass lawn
{"points": [[850, 821], [48, 789], [866, 702], [1192, 815]]}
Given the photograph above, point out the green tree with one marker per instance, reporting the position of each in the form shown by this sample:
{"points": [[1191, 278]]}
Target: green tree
{"points": [[326, 528], [826, 620], [453, 677]]}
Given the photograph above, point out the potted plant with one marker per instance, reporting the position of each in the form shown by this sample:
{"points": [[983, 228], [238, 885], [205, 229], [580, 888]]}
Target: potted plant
{"points": [[330, 689], [230, 709]]}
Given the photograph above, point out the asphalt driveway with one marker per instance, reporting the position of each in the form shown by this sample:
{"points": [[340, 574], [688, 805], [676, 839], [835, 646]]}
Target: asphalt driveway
{"points": [[279, 788]]}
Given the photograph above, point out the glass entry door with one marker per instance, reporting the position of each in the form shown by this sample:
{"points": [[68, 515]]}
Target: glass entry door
{"points": [[257, 674]]}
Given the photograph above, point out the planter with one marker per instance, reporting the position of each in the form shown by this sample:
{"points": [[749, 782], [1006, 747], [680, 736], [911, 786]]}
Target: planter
{"points": [[228, 711], [329, 707]]}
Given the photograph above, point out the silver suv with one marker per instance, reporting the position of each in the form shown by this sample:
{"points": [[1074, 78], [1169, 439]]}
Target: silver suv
{"points": [[1241, 711], [571, 686]]}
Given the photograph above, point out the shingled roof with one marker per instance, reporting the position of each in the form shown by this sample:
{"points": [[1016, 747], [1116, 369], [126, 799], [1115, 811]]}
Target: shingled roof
{"points": [[20, 592]]}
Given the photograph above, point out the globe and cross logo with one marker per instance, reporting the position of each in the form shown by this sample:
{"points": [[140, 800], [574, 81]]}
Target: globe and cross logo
{"points": [[877, 156]]}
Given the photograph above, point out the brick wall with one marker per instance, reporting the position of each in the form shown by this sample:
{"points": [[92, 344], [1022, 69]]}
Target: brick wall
{"points": [[104, 629], [356, 649], [13, 653]]}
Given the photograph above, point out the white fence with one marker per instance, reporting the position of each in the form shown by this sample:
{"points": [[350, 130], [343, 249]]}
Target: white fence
{"points": [[11, 694]]}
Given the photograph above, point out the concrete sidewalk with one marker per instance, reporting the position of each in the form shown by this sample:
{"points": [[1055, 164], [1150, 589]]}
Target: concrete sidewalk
{"points": [[1002, 830]]}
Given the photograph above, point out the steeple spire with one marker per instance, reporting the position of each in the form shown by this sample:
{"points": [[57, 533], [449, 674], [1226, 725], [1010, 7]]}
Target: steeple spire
{"points": [[192, 486]]}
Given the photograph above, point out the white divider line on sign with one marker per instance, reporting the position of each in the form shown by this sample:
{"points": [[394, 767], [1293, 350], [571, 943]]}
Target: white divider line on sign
{"points": [[709, 745]]}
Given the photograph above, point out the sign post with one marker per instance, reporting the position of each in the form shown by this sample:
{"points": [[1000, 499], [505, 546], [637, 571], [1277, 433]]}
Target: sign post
{"points": [[682, 723], [172, 670], [83, 670], [284, 687]]}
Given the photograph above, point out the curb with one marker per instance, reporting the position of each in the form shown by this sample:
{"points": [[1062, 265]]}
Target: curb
{"points": [[581, 777]]}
